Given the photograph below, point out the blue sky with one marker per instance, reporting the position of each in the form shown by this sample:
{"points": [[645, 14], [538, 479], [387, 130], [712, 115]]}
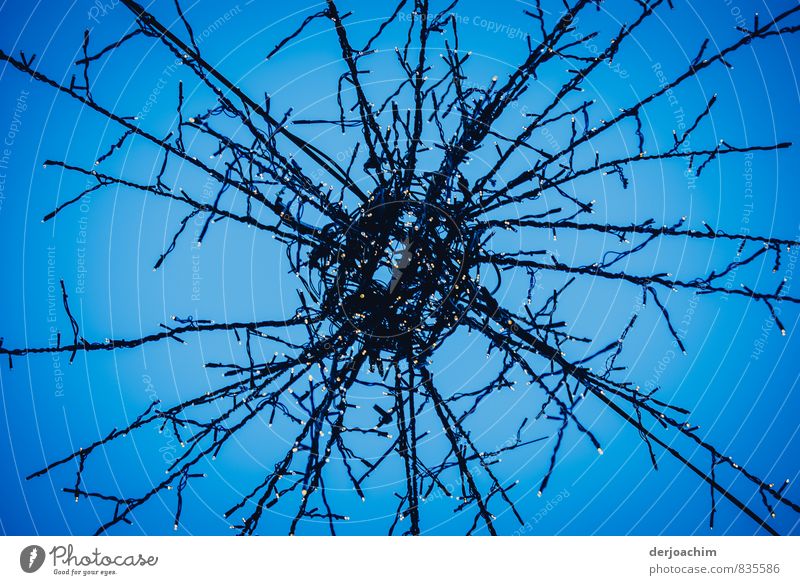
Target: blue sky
{"points": [[738, 379]]}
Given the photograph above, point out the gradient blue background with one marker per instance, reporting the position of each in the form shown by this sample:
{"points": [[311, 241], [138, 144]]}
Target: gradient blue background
{"points": [[746, 404]]}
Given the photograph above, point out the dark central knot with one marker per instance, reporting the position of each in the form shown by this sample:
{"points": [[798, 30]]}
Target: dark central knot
{"points": [[398, 273]]}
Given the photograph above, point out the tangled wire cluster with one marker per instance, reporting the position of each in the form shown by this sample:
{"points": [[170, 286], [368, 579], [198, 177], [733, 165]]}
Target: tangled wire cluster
{"points": [[400, 253]]}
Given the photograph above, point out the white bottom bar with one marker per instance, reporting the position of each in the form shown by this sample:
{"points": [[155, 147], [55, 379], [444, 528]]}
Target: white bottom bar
{"points": [[357, 560]]}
